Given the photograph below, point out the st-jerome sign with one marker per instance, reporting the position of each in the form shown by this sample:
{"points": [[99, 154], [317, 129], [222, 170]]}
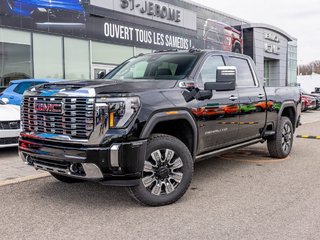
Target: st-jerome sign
{"points": [[154, 10], [150, 8]]}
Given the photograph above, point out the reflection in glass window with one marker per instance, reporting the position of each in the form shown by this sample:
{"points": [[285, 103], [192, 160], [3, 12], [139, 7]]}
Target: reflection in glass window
{"points": [[15, 56], [77, 59], [48, 61], [244, 74]]}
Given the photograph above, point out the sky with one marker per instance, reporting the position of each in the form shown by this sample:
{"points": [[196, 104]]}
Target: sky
{"points": [[300, 19]]}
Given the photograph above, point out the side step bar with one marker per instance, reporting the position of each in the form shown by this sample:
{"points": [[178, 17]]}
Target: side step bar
{"points": [[224, 150]]}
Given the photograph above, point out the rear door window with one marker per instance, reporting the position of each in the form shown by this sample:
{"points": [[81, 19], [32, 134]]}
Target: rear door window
{"points": [[244, 74]]}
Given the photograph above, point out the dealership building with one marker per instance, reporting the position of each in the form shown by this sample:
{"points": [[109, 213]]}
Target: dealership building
{"points": [[78, 39]]}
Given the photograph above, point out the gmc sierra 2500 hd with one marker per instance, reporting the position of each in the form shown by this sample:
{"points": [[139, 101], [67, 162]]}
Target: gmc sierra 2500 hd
{"points": [[145, 124]]}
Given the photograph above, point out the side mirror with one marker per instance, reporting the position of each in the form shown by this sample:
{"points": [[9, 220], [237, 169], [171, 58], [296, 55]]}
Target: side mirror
{"points": [[5, 100], [101, 75], [225, 80]]}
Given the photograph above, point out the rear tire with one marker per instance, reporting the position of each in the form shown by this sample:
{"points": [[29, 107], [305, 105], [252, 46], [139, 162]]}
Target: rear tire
{"points": [[167, 172], [66, 179], [280, 145]]}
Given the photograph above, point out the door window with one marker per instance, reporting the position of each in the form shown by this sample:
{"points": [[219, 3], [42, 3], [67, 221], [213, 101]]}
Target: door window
{"points": [[244, 73], [208, 72]]}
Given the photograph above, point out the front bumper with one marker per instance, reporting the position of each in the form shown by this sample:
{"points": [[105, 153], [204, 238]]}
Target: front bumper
{"points": [[9, 138], [120, 164]]}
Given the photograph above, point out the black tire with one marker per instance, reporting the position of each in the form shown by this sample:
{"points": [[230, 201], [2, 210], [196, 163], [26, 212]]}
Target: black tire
{"points": [[280, 145], [66, 179], [175, 162]]}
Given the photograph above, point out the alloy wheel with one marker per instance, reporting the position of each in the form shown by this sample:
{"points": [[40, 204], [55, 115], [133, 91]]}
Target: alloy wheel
{"points": [[286, 138], [163, 172]]}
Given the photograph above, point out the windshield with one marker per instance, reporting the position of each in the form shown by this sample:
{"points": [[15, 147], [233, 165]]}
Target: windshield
{"points": [[168, 66], [22, 87]]}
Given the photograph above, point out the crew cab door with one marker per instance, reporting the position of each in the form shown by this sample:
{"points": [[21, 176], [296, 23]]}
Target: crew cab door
{"points": [[217, 117], [252, 99]]}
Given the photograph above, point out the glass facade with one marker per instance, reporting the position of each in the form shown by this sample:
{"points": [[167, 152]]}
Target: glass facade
{"points": [[48, 56], [15, 56], [26, 55], [266, 73], [100, 37], [292, 63], [76, 59]]}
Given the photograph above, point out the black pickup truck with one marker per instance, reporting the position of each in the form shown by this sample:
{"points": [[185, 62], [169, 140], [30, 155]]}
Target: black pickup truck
{"points": [[145, 124]]}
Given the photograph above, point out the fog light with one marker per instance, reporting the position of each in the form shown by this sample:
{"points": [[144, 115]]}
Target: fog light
{"points": [[76, 169], [29, 160]]}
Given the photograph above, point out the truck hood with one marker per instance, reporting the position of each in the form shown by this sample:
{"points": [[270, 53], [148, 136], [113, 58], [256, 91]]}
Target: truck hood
{"points": [[100, 87], [9, 113]]}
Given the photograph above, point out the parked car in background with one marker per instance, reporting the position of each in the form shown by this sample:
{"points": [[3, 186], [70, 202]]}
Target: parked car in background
{"points": [[316, 91], [17, 87], [308, 102], [316, 96], [9, 124]]}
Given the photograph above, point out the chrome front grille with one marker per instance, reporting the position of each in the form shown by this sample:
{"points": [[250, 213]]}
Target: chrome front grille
{"points": [[76, 118]]}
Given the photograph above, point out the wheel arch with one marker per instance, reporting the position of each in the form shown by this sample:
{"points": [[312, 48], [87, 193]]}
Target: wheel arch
{"points": [[179, 124], [289, 109]]}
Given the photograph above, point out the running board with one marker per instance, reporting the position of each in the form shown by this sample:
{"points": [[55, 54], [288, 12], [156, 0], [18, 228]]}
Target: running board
{"points": [[269, 133], [224, 150]]}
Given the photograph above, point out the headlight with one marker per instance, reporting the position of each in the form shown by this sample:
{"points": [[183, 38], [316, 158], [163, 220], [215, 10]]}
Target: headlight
{"points": [[121, 110]]}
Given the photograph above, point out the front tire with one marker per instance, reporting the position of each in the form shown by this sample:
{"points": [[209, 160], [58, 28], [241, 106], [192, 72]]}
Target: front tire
{"points": [[66, 179], [167, 173], [280, 145]]}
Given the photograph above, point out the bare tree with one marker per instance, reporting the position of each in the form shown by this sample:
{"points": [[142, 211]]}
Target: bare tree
{"points": [[308, 69]]}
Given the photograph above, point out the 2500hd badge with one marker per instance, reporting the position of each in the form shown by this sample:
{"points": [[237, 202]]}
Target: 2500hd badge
{"points": [[146, 123]]}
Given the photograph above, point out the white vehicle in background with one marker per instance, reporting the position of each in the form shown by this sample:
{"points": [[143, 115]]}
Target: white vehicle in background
{"points": [[9, 124]]}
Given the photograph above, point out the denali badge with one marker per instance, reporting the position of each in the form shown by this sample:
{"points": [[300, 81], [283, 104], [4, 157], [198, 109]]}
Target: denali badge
{"points": [[48, 107]]}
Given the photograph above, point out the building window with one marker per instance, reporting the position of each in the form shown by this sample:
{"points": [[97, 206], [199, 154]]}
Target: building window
{"points": [[137, 51], [110, 53], [292, 63], [266, 73], [77, 59], [15, 56], [48, 56]]}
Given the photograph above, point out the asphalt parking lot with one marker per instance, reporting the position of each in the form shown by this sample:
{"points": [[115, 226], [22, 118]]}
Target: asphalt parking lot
{"points": [[240, 195]]}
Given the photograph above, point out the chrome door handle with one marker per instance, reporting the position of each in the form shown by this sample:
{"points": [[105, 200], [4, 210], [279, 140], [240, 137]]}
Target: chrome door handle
{"points": [[261, 96], [233, 98]]}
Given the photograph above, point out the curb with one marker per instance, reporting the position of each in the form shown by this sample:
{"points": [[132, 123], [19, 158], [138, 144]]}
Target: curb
{"points": [[23, 179], [309, 137]]}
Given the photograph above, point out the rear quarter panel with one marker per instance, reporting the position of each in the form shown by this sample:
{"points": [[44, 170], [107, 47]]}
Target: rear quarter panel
{"points": [[278, 98]]}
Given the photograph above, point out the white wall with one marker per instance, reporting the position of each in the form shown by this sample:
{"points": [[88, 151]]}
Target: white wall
{"points": [[308, 83]]}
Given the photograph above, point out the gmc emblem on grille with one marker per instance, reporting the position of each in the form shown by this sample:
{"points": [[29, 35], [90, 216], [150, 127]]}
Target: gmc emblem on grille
{"points": [[48, 107]]}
